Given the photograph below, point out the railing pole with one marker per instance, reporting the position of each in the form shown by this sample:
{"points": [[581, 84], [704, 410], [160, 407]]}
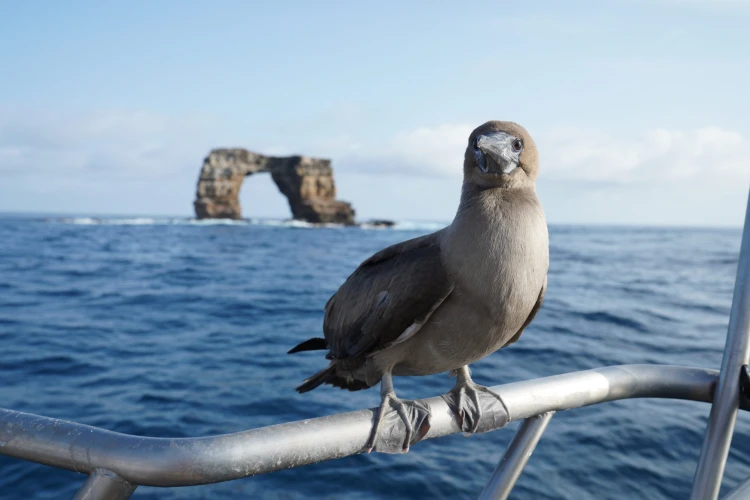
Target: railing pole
{"points": [[103, 484], [723, 415], [514, 459]]}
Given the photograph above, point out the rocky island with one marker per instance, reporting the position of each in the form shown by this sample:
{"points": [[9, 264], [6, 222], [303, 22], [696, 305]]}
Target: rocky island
{"points": [[306, 182]]}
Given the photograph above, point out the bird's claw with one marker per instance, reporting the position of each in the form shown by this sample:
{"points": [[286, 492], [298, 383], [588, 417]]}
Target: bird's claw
{"points": [[396, 418], [470, 401]]}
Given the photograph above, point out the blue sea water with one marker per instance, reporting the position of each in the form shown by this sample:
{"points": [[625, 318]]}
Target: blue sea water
{"points": [[177, 328]]}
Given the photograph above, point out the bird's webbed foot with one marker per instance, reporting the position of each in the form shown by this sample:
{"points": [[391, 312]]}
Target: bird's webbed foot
{"points": [[398, 423], [470, 401]]}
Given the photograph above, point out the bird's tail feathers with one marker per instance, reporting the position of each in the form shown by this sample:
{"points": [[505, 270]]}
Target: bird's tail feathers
{"points": [[313, 344], [319, 378], [329, 376]]}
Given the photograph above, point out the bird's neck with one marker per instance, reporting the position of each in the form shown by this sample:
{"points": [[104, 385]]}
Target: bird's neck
{"points": [[497, 240], [474, 196]]}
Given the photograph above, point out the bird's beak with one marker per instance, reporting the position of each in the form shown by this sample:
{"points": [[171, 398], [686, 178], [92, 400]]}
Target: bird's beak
{"points": [[495, 153]]}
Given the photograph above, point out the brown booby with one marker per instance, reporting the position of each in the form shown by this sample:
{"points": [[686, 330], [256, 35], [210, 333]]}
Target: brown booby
{"points": [[442, 301]]}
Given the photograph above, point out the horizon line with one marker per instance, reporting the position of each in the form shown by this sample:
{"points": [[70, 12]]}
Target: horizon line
{"points": [[46, 215]]}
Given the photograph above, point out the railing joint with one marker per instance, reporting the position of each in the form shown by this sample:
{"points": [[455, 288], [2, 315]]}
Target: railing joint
{"points": [[516, 457], [103, 484]]}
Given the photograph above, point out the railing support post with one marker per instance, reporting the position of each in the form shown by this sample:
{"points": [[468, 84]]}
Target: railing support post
{"points": [[726, 402], [514, 459], [103, 484]]}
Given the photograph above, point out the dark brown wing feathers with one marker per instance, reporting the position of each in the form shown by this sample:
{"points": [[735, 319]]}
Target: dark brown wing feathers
{"points": [[384, 296]]}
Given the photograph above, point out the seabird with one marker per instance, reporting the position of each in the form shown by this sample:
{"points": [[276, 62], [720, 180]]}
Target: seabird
{"points": [[442, 301]]}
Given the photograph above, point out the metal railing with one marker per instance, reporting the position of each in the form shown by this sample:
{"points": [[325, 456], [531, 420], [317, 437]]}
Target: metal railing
{"points": [[117, 463]]}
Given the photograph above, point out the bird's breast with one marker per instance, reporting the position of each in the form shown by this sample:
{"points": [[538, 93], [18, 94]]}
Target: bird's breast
{"points": [[498, 254]]}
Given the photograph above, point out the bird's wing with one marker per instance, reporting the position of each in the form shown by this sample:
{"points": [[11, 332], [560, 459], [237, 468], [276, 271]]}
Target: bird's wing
{"points": [[534, 310], [387, 299]]}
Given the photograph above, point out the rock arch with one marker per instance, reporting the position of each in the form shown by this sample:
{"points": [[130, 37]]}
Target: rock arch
{"points": [[306, 182]]}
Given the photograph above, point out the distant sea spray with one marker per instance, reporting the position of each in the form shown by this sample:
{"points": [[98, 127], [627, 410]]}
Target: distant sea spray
{"points": [[161, 221]]}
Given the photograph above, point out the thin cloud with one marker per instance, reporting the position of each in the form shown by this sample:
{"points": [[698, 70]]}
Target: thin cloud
{"points": [[103, 145], [566, 153], [119, 145], [659, 154], [422, 151]]}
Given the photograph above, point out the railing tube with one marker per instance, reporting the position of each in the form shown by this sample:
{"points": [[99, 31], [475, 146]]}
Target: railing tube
{"points": [[515, 457], [723, 415], [103, 484], [190, 461]]}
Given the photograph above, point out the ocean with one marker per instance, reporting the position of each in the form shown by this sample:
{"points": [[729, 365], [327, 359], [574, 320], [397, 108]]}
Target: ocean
{"points": [[176, 328]]}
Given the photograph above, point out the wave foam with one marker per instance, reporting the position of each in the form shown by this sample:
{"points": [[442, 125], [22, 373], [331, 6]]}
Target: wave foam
{"points": [[177, 221]]}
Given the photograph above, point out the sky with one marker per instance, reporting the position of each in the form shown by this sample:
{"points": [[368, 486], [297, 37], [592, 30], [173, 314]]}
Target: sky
{"points": [[639, 108]]}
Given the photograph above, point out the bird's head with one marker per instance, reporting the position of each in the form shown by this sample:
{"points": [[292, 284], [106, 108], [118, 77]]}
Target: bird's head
{"points": [[500, 154]]}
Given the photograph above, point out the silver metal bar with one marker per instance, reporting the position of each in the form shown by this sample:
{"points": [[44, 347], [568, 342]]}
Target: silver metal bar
{"points": [[516, 456], [720, 429], [189, 461], [103, 484]]}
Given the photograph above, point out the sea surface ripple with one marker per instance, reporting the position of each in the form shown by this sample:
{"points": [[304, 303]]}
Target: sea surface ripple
{"points": [[173, 328]]}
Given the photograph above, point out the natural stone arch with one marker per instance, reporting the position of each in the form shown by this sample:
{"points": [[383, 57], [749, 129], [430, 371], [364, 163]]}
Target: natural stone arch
{"points": [[306, 182]]}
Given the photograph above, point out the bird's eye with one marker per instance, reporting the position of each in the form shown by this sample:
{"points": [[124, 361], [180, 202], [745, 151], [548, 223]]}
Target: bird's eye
{"points": [[517, 145], [475, 144]]}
